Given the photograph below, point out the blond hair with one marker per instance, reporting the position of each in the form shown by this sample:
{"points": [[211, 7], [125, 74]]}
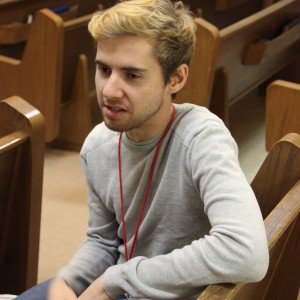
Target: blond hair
{"points": [[170, 25]]}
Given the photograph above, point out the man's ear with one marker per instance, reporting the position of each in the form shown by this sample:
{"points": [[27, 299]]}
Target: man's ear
{"points": [[178, 80]]}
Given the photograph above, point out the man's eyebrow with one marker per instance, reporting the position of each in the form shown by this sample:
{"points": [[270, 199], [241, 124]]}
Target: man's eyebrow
{"points": [[133, 69], [99, 62], [127, 68]]}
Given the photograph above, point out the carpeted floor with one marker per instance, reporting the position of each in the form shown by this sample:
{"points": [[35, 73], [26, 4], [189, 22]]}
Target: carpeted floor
{"points": [[64, 210]]}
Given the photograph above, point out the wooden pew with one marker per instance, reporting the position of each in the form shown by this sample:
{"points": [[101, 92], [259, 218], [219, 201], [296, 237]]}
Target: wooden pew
{"points": [[277, 188], [251, 51], [78, 88], [37, 75], [198, 87], [21, 178], [282, 110], [55, 66]]}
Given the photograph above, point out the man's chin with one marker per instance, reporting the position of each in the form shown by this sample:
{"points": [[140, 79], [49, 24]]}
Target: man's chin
{"points": [[114, 127]]}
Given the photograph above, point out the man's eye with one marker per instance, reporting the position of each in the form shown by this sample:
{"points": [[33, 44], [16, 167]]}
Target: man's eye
{"points": [[103, 69], [133, 75]]}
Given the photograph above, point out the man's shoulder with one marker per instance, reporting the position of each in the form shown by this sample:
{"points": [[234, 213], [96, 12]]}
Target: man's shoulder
{"points": [[195, 113], [99, 136], [194, 119], [198, 129]]}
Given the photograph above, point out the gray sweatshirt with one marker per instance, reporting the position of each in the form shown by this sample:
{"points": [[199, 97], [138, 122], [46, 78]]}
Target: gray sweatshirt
{"points": [[201, 225]]}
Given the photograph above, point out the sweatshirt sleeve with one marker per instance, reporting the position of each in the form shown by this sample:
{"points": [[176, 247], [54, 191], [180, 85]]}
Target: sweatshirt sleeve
{"points": [[100, 249], [235, 250]]}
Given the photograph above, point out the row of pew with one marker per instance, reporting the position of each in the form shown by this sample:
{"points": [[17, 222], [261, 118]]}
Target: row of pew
{"points": [[54, 69]]}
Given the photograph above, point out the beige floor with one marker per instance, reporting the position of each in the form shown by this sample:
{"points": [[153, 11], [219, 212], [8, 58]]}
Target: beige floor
{"points": [[64, 210]]}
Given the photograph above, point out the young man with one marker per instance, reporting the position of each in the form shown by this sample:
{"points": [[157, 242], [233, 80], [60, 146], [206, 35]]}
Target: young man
{"points": [[170, 210]]}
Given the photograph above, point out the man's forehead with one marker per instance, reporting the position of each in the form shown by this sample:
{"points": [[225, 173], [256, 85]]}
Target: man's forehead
{"points": [[131, 51], [127, 41]]}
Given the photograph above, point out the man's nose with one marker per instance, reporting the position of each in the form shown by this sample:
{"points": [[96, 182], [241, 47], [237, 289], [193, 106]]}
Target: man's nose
{"points": [[113, 87]]}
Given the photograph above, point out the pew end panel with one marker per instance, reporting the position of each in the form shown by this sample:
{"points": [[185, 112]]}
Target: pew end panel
{"points": [[282, 110], [76, 119], [77, 41], [278, 173], [59, 84], [77, 84], [37, 76], [220, 92], [21, 176], [198, 87]]}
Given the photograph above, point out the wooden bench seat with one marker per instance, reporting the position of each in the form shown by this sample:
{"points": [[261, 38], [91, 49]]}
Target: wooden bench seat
{"points": [[21, 176]]}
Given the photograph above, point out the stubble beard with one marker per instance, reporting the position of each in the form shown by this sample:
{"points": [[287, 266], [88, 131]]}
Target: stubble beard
{"points": [[135, 121]]}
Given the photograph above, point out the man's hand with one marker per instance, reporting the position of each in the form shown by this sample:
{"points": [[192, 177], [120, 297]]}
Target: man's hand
{"points": [[59, 290], [95, 291]]}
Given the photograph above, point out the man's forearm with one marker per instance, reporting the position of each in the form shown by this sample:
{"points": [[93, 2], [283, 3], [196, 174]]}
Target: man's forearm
{"points": [[60, 290], [95, 291]]}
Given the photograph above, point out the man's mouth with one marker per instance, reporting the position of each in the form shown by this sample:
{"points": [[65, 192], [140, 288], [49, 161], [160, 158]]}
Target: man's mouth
{"points": [[115, 109]]}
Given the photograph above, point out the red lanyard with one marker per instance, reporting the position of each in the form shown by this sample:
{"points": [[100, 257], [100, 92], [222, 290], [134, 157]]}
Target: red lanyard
{"points": [[147, 189]]}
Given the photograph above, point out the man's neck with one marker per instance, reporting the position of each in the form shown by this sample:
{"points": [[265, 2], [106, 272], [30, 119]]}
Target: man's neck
{"points": [[155, 126]]}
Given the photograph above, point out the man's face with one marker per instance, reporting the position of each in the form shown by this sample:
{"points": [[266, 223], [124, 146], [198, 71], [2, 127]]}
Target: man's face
{"points": [[130, 86]]}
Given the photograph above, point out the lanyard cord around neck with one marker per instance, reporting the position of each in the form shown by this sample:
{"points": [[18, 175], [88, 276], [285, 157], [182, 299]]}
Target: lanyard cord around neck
{"points": [[147, 189]]}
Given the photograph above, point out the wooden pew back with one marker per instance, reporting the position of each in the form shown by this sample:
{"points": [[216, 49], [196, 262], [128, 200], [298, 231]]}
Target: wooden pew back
{"points": [[278, 197], [77, 40], [21, 177], [37, 76], [278, 173], [282, 110], [198, 87], [252, 50], [78, 85], [59, 70]]}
